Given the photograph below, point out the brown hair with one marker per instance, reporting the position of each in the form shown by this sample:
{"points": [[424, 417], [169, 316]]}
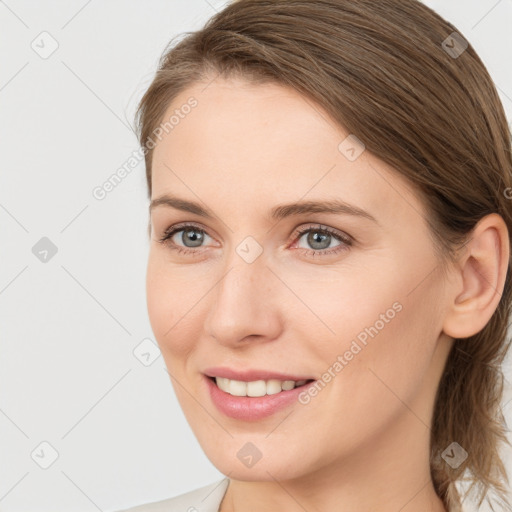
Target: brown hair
{"points": [[389, 72]]}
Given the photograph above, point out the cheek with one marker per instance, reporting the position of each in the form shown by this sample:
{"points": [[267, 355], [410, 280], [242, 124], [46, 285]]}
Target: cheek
{"points": [[389, 360], [374, 322], [334, 308], [169, 303]]}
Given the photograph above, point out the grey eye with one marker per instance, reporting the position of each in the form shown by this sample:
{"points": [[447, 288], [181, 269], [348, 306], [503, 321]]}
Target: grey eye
{"points": [[191, 237], [318, 239]]}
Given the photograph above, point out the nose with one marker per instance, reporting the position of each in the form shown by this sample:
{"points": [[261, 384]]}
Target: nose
{"points": [[244, 304]]}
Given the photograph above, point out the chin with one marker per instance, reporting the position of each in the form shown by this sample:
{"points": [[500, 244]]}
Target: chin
{"points": [[248, 461]]}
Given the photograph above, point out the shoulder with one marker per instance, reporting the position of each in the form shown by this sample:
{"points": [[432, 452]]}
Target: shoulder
{"points": [[203, 499]]}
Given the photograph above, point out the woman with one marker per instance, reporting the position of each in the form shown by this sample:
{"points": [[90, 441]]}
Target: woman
{"points": [[329, 271]]}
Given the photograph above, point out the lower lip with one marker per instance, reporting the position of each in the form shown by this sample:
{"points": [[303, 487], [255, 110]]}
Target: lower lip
{"points": [[252, 408]]}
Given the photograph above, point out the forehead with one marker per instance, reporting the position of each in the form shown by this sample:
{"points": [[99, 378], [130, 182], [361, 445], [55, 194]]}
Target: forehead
{"points": [[266, 142], [244, 115]]}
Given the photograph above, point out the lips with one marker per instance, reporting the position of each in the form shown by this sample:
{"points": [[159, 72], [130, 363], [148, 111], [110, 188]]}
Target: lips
{"points": [[253, 374], [246, 408]]}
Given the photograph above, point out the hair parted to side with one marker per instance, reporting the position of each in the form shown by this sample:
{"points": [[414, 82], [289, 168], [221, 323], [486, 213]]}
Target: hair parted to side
{"points": [[380, 70]]}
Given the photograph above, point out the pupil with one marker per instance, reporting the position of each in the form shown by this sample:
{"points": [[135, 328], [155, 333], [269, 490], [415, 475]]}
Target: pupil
{"points": [[313, 240], [193, 236]]}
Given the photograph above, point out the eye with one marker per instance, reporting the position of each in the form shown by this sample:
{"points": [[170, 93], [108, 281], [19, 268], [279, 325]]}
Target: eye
{"points": [[320, 238], [190, 235], [190, 238]]}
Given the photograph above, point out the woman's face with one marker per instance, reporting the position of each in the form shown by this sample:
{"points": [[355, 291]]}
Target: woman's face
{"points": [[256, 285]]}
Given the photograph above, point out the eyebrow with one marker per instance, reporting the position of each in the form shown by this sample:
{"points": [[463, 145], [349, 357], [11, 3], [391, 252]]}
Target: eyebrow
{"points": [[334, 206]]}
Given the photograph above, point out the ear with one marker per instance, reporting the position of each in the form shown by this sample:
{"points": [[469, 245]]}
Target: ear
{"points": [[480, 278]]}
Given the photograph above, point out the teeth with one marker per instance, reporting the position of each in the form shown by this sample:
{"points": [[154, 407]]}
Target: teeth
{"points": [[287, 385], [257, 387], [273, 387]]}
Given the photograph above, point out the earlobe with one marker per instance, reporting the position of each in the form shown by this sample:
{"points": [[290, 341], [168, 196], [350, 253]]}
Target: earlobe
{"points": [[482, 271]]}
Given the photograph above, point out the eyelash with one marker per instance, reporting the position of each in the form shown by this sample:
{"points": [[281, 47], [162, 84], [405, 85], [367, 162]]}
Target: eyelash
{"points": [[346, 240]]}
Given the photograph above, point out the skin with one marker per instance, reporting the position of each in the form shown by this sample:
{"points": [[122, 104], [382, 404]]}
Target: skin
{"points": [[363, 442]]}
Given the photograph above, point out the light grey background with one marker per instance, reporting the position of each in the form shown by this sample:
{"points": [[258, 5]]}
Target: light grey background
{"points": [[69, 326]]}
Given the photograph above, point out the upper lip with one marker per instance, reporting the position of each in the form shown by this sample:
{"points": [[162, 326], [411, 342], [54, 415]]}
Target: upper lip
{"points": [[251, 374]]}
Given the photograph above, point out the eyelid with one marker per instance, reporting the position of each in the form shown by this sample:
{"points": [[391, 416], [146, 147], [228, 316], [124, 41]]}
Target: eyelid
{"points": [[344, 238], [171, 230]]}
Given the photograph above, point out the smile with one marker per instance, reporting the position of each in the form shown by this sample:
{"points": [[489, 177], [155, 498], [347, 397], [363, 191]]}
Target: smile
{"points": [[256, 388], [257, 405]]}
